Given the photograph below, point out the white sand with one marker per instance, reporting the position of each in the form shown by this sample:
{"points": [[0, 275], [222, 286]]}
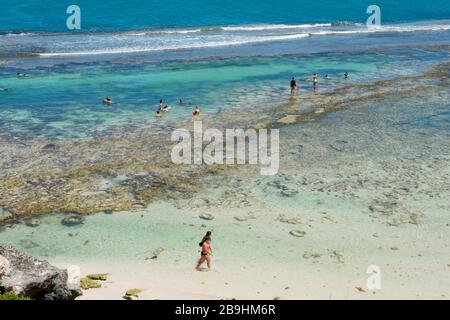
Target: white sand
{"points": [[161, 281]]}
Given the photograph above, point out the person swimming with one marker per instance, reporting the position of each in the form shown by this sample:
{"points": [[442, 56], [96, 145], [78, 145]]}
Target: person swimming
{"points": [[166, 108], [21, 75], [4, 89], [196, 111], [346, 75], [326, 76], [161, 104], [181, 101], [107, 101], [158, 113], [293, 86], [206, 251]]}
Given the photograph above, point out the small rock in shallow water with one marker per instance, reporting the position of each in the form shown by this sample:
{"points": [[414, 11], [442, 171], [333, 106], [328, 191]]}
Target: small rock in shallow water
{"points": [[297, 233], [308, 255], [290, 220], [32, 222], [206, 216], [155, 254], [28, 244], [73, 219]]}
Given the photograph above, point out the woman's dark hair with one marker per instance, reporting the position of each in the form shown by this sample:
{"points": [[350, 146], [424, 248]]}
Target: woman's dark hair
{"points": [[205, 238]]}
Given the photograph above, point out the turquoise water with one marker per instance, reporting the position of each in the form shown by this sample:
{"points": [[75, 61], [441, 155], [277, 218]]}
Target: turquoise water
{"points": [[65, 102]]}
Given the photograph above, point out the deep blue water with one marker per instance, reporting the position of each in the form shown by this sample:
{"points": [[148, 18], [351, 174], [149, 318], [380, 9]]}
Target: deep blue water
{"points": [[120, 15]]}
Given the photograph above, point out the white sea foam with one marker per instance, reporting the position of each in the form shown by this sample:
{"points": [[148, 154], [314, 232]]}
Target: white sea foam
{"points": [[275, 27], [196, 38], [180, 46]]}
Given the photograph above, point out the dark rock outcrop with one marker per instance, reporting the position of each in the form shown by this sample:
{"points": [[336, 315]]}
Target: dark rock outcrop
{"points": [[33, 278]]}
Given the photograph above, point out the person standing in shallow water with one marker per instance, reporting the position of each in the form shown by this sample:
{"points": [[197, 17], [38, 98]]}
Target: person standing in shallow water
{"points": [[205, 254], [196, 111], [293, 86]]}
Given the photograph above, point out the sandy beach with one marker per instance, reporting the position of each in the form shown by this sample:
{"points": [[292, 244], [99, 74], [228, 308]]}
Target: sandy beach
{"points": [[329, 262]]}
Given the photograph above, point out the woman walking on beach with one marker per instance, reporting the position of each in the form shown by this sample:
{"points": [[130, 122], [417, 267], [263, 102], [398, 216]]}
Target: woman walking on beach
{"points": [[205, 254]]}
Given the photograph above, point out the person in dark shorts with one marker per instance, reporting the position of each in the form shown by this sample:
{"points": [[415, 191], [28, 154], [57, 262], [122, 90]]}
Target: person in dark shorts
{"points": [[205, 254], [293, 86]]}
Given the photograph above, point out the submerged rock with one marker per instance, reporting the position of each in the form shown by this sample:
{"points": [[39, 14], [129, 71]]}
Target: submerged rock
{"points": [[28, 243], [33, 278], [73, 219], [155, 254], [290, 220], [297, 233], [309, 255], [206, 216], [32, 223]]}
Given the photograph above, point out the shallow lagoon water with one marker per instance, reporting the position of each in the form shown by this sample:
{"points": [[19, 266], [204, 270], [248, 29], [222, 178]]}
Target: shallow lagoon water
{"points": [[66, 102]]}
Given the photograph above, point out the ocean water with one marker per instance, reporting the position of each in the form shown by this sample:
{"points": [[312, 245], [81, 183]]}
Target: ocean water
{"points": [[120, 15]]}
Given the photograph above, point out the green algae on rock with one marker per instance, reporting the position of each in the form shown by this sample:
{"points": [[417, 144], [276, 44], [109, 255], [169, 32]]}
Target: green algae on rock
{"points": [[87, 283], [133, 292]]}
